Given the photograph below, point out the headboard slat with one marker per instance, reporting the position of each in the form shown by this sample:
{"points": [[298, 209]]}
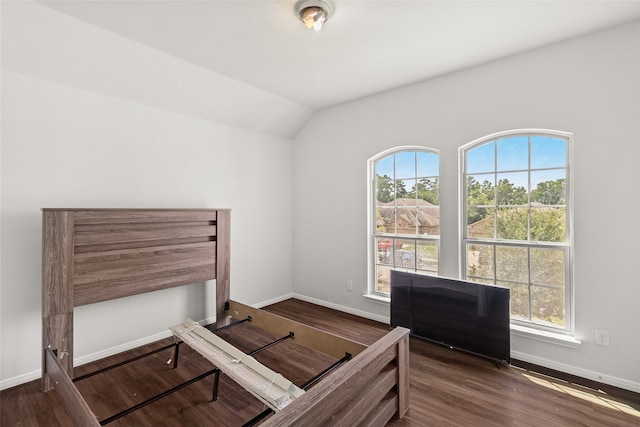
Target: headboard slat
{"points": [[131, 216], [121, 286], [134, 235]]}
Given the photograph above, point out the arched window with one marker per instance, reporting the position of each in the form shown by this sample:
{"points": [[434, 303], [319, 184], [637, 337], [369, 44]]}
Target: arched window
{"points": [[516, 222], [404, 214]]}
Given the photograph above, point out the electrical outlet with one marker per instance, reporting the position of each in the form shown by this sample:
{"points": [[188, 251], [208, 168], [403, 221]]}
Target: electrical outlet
{"points": [[349, 285], [602, 337]]}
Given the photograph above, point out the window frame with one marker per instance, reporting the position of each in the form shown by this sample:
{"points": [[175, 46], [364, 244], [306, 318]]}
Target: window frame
{"points": [[372, 235], [567, 246]]}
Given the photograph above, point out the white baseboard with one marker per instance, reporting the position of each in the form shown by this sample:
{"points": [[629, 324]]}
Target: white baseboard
{"points": [[20, 379], [88, 358], [344, 309], [273, 301], [572, 370]]}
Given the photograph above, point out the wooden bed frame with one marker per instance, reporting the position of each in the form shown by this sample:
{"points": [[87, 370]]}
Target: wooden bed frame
{"points": [[93, 255]]}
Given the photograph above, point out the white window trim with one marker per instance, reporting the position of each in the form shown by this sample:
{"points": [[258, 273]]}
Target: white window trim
{"points": [[526, 329], [372, 293]]}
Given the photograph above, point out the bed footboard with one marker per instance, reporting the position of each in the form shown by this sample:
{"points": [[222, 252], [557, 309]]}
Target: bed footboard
{"points": [[73, 401], [367, 391]]}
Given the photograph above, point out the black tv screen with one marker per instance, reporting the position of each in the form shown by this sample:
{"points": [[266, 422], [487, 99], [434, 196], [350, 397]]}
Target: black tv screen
{"points": [[469, 316]]}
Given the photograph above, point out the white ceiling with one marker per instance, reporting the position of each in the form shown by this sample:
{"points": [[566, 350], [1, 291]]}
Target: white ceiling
{"points": [[365, 48]]}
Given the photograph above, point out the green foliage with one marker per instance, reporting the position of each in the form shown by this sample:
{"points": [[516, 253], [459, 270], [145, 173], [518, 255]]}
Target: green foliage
{"points": [[507, 194], [401, 189], [550, 192], [478, 195], [388, 190], [548, 224], [426, 189], [512, 224], [384, 189]]}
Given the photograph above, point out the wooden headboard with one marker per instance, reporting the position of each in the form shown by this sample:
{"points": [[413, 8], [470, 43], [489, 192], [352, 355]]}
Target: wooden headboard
{"points": [[93, 255]]}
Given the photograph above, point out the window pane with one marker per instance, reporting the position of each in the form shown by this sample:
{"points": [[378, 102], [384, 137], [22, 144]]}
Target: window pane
{"points": [[547, 267], [429, 220], [481, 158], [547, 305], [384, 251], [385, 189], [548, 152], [512, 189], [407, 220], [480, 223], [513, 153], [512, 264], [385, 219], [548, 224], [384, 166], [481, 280], [549, 187], [428, 190], [405, 256], [480, 261], [480, 189], [406, 164], [428, 164], [382, 279], [427, 255], [512, 223], [519, 295], [405, 189]]}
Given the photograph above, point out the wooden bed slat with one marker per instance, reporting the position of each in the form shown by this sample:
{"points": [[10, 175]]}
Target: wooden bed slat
{"points": [[77, 407]]}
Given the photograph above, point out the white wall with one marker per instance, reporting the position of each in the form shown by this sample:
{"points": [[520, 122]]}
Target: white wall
{"points": [[66, 143], [589, 86]]}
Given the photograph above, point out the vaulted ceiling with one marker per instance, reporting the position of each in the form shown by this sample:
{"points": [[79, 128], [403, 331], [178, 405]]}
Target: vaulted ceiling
{"points": [[366, 47]]}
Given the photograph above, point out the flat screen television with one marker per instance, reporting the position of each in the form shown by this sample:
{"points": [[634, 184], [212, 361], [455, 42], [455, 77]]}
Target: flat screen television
{"points": [[468, 316]]}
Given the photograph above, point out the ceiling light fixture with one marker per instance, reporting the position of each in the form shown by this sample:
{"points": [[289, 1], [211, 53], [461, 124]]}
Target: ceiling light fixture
{"points": [[314, 13]]}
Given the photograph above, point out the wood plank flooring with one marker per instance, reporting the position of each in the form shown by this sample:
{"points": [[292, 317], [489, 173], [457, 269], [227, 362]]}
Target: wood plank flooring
{"points": [[448, 388]]}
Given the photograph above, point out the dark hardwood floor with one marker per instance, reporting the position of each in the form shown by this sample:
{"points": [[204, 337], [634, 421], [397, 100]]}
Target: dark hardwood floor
{"points": [[448, 388]]}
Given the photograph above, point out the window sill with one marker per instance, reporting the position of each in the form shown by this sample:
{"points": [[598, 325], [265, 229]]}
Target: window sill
{"points": [[378, 298], [545, 336]]}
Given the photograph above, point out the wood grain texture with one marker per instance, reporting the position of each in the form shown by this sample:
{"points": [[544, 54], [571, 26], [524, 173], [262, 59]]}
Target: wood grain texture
{"points": [[76, 406], [93, 255], [57, 289], [337, 393], [223, 264]]}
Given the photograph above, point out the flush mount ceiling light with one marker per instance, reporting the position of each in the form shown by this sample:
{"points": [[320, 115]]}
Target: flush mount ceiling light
{"points": [[314, 13]]}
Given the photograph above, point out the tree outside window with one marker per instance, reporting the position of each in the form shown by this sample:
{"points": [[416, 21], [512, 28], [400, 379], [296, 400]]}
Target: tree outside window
{"points": [[516, 230], [405, 214]]}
